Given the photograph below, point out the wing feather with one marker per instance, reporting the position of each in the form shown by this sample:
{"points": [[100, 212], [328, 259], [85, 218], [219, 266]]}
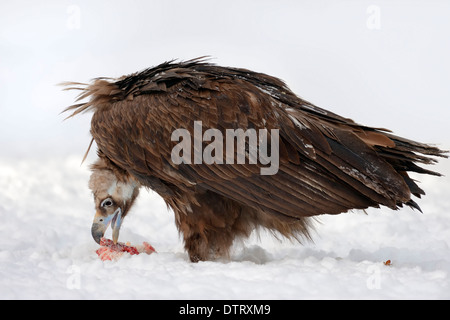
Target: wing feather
{"points": [[328, 164]]}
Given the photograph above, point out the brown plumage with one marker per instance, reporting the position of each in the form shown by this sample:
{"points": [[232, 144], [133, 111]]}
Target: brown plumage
{"points": [[328, 164]]}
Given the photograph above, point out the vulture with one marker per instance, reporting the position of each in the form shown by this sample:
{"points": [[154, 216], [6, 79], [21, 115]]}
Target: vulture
{"points": [[231, 150]]}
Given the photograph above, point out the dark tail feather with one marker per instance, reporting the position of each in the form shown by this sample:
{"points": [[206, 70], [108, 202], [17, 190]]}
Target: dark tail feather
{"points": [[414, 205]]}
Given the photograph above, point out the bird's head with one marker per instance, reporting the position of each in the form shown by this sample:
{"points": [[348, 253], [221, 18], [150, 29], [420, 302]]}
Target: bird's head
{"points": [[113, 199]]}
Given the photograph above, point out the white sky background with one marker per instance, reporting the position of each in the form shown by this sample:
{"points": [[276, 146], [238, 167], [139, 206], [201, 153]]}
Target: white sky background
{"points": [[395, 76]]}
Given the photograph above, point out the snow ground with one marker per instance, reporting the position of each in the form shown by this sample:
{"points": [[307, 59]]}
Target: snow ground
{"points": [[46, 251]]}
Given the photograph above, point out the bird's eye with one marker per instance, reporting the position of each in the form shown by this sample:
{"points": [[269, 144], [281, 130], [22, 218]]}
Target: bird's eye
{"points": [[106, 203]]}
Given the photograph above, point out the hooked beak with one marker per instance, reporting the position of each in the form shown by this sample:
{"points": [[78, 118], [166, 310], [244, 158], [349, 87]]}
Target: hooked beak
{"points": [[101, 223]]}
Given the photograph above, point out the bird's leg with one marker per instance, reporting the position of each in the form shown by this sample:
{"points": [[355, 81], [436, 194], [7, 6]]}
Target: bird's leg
{"points": [[196, 247], [209, 229], [208, 245], [202, 240]]}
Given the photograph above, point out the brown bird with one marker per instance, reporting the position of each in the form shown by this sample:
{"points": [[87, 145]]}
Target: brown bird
{"points": [[285, 159]]}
